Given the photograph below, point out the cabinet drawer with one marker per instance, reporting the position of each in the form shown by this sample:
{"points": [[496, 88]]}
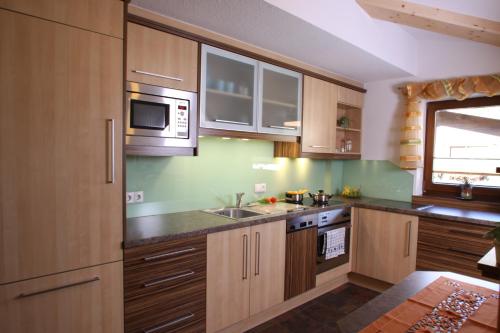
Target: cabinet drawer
{"points": [[171, 252], [163, 278], [186, 317], [432, 258], [85, 300]]}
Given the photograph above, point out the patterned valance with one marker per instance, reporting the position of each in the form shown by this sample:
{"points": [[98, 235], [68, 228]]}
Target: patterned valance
{"points": [[458, 88]]}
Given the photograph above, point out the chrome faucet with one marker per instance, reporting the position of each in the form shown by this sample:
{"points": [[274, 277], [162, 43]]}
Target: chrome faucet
{"points": [[238, 199]]}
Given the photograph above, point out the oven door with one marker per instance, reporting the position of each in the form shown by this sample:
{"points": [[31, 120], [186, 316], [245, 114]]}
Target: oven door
{"points": [[149, 115], [323, 265]]}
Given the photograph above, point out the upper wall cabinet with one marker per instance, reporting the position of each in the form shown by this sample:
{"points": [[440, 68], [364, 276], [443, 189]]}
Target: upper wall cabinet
{"points": [[242, 94], [228, 90], [280, 95], [159, 58], [103, 16]]}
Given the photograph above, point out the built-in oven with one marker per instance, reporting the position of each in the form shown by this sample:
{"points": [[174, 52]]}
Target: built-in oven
{"points": [[328, 221], [160, 117]]}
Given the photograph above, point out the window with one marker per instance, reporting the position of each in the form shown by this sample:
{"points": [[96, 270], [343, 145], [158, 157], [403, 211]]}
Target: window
{"points": [[463, 140]]}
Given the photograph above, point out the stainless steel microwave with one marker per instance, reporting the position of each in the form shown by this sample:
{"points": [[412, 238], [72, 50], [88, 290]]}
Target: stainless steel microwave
{"points": [[160, 117]]}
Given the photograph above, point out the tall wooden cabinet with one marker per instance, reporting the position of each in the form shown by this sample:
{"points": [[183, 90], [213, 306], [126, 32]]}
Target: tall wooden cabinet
{"points": [[245, 272], [385, 244], [60, 171]]}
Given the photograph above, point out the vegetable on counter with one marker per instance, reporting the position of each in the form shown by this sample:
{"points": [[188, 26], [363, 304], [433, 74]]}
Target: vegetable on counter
{"points": [[351, 192], [268, 200]]}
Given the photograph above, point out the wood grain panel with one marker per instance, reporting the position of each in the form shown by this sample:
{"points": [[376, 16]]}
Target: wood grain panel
{"points": [[300, 266], [95, 306], [386, 245], [267, 269], [451, 246], [319, 114], [350, 97], [60, 85], [161, 53], [103, 16], [228, 278]]}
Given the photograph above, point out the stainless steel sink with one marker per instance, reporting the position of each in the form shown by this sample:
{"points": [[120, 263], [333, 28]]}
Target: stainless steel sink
{"points": [[233, 213]]}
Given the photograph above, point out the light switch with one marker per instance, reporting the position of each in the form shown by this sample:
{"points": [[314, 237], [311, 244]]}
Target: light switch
{"points": [[260, 188]]}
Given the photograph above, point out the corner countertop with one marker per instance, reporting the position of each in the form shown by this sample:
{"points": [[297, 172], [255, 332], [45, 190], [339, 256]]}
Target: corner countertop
{"points": [[158, 228]]}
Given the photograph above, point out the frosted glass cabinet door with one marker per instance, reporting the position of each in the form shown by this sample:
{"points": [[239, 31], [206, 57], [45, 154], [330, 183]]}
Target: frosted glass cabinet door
{"points": [[228, 90], [280, 92]]}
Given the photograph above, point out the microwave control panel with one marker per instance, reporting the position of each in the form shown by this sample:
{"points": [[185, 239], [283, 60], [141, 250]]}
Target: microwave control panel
{"points": [[182, 119]]}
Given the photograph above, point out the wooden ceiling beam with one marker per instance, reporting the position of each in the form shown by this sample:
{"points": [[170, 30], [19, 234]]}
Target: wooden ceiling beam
{"points": [[434, 19]]}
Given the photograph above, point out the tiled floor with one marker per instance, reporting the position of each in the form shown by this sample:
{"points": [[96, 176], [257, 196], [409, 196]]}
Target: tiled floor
{"points": [[320, 314]]}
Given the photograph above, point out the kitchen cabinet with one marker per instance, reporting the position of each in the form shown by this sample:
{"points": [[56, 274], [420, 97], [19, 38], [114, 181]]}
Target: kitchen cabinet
{"points": [[300, 267], [165, 286], [61, 139], [245, 272], [102, 16], [386, 244], [159, 58], [451, 246], [280, 95], [239, 93], [80, 301], [320, 110], [229, 87]]}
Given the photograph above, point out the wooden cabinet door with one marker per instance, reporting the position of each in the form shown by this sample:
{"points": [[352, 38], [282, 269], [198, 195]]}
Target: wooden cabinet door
{"points": [[319, 116], [300, 265], [159, 58], [228, 278], [386, 245], [61, 89], [267, 282], [81, 301], [103, 16]]}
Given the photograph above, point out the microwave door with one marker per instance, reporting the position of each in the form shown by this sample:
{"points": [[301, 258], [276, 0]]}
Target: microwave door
{"points": [[150, 116]]}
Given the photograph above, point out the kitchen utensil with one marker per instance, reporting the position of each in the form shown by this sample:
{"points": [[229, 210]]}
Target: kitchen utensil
{"points": [[320, 196], [295, 197]]}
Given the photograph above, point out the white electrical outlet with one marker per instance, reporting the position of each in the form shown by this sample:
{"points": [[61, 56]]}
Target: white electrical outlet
{"points": [[139, 196], [260, 188], [130, 198]]}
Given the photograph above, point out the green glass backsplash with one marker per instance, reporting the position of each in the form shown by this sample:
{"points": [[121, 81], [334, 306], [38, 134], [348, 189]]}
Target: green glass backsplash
{"points": [[224, 167], [379, 179]]}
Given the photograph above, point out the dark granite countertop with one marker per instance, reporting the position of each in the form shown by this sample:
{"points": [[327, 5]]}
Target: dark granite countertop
{"points": [[159, 228], [392, 297]]}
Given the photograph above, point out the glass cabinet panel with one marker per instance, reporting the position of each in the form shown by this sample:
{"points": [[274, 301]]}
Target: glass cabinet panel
{"points": [[228, 90], [280, 100]]}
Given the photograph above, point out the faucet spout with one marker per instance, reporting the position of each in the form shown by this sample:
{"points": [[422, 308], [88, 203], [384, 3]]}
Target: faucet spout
{"points": [[238, 199]]}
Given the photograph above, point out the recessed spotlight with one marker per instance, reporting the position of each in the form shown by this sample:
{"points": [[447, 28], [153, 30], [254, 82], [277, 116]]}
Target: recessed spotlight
{"points": [[226, 138], [245, 139]]}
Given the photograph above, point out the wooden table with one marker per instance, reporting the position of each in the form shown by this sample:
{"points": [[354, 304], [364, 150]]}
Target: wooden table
{"points": [[488, 265], [397, 294]]}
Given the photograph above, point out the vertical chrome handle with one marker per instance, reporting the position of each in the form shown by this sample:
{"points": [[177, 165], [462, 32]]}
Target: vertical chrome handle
{"points": [[245, 257], [110, 170], [257, 253], [408, 238]]}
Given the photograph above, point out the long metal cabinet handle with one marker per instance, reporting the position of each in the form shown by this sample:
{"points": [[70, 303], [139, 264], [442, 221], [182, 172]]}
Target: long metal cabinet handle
{"points": [[408, 240], [315, 146], [231, 122], [245, 257], [24, 295], [168, 254], [284, 127], [257, 253], [158, 75], [170, 278], [168, 324], [110, 172]]}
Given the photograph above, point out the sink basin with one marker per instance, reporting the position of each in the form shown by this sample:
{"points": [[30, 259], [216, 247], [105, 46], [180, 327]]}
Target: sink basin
{"points": [[233, 213]]}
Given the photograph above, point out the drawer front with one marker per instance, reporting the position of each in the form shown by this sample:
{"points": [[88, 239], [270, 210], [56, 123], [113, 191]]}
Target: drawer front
{"points": [[434, 258], [166, 253], [164, 278], [85, 300], [187, 317]]}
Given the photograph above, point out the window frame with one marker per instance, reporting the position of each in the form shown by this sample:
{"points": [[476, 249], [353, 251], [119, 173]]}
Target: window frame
{"points": [[429, 188]]}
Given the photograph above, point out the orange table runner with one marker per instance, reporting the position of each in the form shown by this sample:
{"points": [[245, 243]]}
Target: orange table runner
{"points": [[446, 305]]}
